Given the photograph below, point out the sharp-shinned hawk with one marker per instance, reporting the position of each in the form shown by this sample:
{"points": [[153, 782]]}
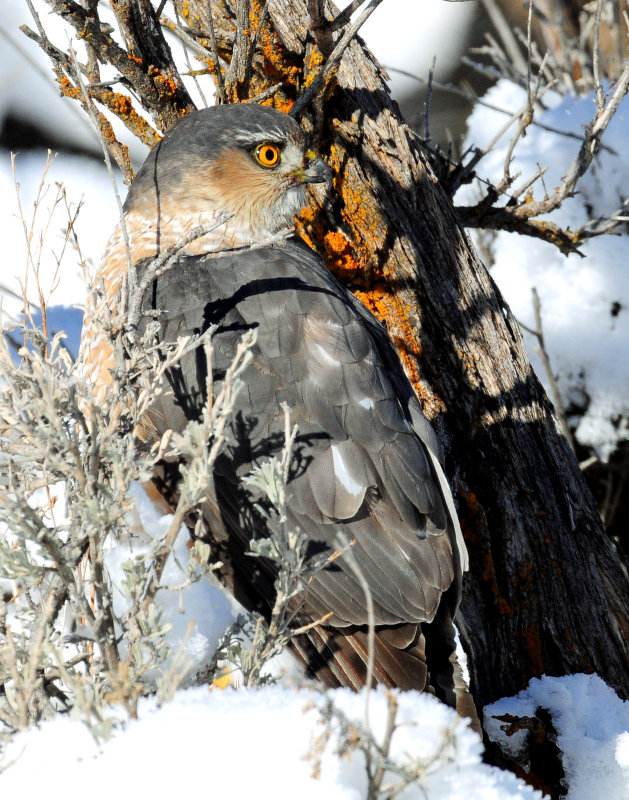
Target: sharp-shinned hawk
{"points": [[365, 460]]}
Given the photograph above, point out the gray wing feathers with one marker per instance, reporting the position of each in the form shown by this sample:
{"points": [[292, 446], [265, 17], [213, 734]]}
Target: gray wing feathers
{"points": [[371, 458]]}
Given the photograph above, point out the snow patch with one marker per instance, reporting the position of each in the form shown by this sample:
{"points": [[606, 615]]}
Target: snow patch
{"points": [[257, 743], [592, 726]]}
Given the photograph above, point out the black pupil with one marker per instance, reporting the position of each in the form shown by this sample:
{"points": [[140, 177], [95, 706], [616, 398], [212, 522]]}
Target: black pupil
{"points": [[268, 154]]}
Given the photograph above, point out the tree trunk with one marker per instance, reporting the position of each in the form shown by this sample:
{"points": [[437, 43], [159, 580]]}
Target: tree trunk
{"points": [[546, 592]]}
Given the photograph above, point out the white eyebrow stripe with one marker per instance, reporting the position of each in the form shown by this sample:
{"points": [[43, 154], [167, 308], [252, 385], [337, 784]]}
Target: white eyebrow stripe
{"points": [[259, 134]]}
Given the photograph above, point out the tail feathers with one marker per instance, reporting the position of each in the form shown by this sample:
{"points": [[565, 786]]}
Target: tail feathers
{"points": [[409, 656], [340, 657]]}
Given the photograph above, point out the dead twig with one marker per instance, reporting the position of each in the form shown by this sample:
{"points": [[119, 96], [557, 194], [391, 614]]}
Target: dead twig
{"points": [[94, 118], [371, 626], [538, 333]]}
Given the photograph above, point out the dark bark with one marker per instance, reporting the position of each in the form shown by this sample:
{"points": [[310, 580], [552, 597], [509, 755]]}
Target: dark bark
{"points": [[149, 52]]}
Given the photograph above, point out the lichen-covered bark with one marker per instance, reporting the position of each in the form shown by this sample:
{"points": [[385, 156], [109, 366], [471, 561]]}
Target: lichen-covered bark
{"points": [[147, 65], [546, 592]]}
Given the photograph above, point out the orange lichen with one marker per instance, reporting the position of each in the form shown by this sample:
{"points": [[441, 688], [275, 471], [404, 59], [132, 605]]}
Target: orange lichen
{"points": [[504, 607], [122, 107], [120, 104], [67, 88], [277, 65], [388, 307], [166, 84], [352, 256], [361, 221], [471, 501], [339, 256], [488, 576], [337, 243], [255, 13], [527, 580], [469, 511], [313, 64], [210, 63]]}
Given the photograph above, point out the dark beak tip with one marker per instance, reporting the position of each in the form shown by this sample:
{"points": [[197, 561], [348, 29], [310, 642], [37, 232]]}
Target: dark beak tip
{"points": [[319, 172]]}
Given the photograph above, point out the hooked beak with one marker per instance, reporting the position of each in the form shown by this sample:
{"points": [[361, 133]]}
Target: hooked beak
{"points": [[317, 172]]}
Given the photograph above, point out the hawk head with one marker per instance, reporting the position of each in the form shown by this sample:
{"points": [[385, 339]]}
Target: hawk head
{"points": [[249, 160]]}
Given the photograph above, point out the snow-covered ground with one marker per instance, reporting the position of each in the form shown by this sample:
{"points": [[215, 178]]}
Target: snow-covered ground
{"points": [[256, 743], [584, 300], [272, 742], [261, 743]]}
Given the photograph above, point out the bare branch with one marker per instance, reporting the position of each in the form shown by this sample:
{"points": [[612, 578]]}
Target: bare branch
{"points": [[596, 58], [92, 114], [538, 332], [506, 34], [583, 158], [427, 99], [221, 94]]}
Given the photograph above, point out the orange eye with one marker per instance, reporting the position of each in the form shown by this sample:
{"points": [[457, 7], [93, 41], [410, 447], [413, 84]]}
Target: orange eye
{"points": [[267, 155]]}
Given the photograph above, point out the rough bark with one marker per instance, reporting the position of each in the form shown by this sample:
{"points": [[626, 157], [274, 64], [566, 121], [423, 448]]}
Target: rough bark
{"points": [[546, 592]]}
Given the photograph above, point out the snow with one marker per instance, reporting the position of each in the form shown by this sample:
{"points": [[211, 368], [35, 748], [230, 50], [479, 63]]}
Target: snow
{"points": [[592, 726], [86, 181], [584, 301], [256, 743], [198, 614], [622, 752]]}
